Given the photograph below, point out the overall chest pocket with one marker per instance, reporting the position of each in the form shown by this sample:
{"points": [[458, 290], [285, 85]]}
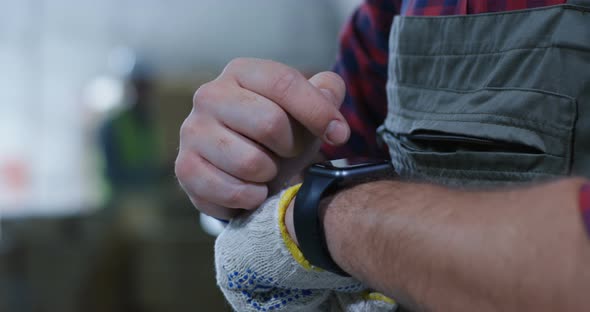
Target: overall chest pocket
{"points": [[488, 136]]}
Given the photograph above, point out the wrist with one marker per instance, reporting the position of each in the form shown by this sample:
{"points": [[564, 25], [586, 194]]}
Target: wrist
{"points": [[336, 213], [343, 216]]}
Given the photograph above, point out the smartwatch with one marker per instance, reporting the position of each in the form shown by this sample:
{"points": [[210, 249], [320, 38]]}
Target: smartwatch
{"points": [[320, 180]]}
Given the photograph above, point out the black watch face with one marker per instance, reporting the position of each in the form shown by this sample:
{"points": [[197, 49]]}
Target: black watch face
{"points": [[351, 168], [350, 163]]}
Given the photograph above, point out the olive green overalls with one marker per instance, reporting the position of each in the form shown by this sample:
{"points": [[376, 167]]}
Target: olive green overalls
{"points": [[490, 98]]}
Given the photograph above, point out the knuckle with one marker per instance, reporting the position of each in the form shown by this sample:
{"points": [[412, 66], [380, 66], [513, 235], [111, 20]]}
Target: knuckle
{"points": [[208, 183], [237, 196], [205, 183], [237, 62], [205, 94], [188, 129], [183, 168], [250, 164], [271, 125], [284, 82], [223, 144]]}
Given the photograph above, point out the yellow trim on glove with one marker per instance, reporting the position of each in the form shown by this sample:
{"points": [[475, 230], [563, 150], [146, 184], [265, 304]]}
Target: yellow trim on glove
{"points": [[368, 295], [296, 253]]}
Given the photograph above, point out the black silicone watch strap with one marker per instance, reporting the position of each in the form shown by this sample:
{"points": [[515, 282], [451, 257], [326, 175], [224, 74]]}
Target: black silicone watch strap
{"points": [[308, 228]]}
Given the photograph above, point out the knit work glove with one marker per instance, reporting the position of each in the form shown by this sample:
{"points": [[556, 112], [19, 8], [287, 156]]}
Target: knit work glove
{"points": [[259, 268]]}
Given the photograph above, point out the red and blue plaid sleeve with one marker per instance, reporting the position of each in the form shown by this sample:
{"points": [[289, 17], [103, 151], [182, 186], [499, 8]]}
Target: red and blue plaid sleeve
{"points": [[585, 206], [362, 63]]}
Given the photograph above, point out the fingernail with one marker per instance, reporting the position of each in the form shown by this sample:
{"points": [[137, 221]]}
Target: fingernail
{"points": [[336, 133], [329, 95]]}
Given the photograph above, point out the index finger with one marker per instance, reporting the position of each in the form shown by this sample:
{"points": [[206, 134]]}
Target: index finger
{"points": [[294, 94]]}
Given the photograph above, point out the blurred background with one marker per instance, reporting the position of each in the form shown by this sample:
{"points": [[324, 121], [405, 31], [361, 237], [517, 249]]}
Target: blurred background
{"points": [[92, 95]]}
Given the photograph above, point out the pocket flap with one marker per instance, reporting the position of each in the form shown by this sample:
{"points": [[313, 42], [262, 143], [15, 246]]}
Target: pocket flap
{"points": [[538, 119]]}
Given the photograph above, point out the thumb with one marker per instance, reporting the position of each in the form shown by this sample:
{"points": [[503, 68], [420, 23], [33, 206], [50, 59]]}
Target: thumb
{"points": [[331, 85], [334, 89]]}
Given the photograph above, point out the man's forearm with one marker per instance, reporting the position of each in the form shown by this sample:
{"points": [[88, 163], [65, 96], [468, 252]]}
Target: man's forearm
{"points": [[446, 250]]}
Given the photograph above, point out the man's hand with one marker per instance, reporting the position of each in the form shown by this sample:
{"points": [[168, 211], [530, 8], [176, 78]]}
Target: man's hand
{"points": [[251, 129]]}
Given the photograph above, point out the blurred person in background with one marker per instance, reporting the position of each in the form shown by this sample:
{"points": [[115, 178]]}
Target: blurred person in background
{"points": [[474, 100], [131, 145], [129, 138]]}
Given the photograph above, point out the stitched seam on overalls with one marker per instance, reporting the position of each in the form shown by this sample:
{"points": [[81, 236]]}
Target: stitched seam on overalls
{"points": [[482, 122], [553, 46], [522, 119], [531, 90], [513, 119], [474, 54], [417, 168], [436, 154], [428, 175], [502, 13]]}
